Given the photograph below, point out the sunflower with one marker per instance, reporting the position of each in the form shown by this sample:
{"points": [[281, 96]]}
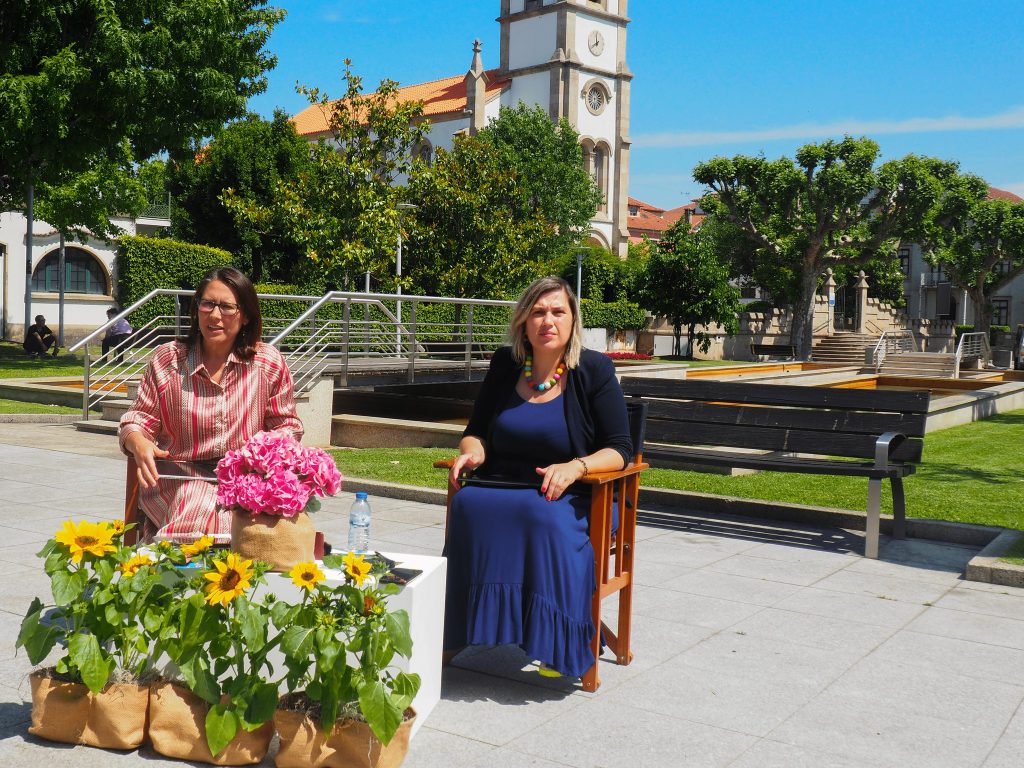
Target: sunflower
{"points": [[197, 547], [229, 580], [306, 575], [357, 568], [86, 538], [131, 567]]}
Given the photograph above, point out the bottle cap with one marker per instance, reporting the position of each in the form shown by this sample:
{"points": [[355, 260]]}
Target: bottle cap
{"points": [[361, 495]]}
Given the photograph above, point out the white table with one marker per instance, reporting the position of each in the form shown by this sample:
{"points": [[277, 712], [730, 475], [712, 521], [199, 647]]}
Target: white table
{"points": [[423, 599]]}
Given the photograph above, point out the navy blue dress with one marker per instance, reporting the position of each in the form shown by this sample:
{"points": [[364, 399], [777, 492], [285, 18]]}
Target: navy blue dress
{"points": [[520, 567]]}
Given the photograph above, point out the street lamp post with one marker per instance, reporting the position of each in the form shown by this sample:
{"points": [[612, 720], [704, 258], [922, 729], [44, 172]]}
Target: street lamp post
{"points": [[402, 208]]}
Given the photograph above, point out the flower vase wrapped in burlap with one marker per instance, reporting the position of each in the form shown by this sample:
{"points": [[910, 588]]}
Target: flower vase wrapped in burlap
{"points": [[284, 542], [350, 744], [114, 718], [177, 728]]}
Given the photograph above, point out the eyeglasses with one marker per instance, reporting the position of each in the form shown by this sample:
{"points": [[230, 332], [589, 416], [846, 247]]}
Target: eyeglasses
{"points": [[226, 310]]}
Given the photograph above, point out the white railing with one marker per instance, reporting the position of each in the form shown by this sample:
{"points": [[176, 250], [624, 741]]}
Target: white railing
{"points": [[972, 345], [892, 342], [335, 331]]}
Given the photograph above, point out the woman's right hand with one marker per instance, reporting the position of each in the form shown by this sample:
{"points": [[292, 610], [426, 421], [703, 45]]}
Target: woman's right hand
{"points": [[146, 453], [466, 461]]}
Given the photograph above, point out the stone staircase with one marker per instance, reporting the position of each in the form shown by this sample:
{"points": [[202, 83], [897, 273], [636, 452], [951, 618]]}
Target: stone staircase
{"points": [[845, 348], [934, 365]]}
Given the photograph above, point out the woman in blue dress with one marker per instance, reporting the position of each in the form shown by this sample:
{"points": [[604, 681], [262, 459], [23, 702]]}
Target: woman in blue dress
{"points": [[520, 563]]}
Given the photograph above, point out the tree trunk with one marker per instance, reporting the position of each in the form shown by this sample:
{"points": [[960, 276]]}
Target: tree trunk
{"points": [[802, 331]]}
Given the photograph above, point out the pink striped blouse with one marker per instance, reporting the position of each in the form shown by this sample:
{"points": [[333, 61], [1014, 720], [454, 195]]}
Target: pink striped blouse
{"points": [[184, 412]]}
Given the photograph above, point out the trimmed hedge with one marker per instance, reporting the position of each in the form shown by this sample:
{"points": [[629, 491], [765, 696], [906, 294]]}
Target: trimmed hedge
{"points": [[617, 316], [144, 264]]}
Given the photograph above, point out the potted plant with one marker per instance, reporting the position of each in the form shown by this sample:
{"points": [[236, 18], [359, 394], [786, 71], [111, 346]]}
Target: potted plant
{"points": [[108, 604], [271, 483], [219, 640], [346, 704]]}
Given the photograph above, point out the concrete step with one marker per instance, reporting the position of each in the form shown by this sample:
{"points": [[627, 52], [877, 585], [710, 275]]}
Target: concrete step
{"points": [[100, 426]]}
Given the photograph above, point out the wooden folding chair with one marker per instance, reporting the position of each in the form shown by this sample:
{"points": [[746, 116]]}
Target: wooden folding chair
{"points": [[613, 552]]}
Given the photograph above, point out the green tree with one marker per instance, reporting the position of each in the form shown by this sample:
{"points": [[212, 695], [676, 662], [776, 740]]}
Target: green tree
{"points": [[79, 77], [978, 241], [470, 237], [688, 284], [553, 180], [830, 205], [341, 210], [250, 157]]}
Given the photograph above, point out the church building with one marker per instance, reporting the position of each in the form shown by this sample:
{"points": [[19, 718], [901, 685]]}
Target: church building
{"points": [[569, 56]]}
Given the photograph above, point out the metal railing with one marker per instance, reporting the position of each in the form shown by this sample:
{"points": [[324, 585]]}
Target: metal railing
{"points": [[335, 332], [972, 345], [892, 342]]}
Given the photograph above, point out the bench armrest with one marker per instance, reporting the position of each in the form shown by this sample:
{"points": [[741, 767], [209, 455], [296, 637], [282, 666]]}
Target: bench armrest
{"points": [[885, 445]]}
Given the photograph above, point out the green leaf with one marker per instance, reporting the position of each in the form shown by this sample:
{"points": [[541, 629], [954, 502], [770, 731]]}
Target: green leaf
{"points": [[397, 625], [298, 642], [67, 586], [37, 638], [221, 726], [94, 666], [262, 704], [380, 712]]}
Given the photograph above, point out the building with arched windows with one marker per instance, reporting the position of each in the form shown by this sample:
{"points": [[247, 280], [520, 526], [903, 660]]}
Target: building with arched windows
{"points": [[90, 275], [569, 56]]}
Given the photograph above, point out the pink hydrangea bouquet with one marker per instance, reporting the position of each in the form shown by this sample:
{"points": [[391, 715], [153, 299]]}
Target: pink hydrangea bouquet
{"points": [[274, 474]]}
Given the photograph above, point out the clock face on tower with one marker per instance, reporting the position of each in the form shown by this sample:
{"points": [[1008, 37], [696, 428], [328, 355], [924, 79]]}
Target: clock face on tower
{"points": [[596, 43]]}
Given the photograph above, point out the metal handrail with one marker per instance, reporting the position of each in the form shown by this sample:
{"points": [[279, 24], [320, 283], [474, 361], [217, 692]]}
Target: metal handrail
{"points": [[974, 344], [310, 346], [891, 341]]}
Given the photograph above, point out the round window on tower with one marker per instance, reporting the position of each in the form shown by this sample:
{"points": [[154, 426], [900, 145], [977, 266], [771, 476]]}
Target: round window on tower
{"points": [[595, 96]]}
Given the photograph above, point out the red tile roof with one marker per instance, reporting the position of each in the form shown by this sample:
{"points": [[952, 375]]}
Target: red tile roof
{"points": [[1002, 194], [439, 97]]}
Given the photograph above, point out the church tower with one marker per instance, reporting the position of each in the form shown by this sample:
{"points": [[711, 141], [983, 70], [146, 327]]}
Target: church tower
{"points": [[570, 55]]}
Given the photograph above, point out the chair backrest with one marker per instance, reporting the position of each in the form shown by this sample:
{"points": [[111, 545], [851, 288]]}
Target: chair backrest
{"points": [[636, 412]]}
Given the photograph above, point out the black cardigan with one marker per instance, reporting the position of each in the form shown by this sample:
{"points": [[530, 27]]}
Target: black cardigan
{"points": [[595, 409]]}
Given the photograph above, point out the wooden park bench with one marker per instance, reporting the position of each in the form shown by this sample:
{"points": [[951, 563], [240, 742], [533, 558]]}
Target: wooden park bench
{"points": [[873, 434], [773, 351]]}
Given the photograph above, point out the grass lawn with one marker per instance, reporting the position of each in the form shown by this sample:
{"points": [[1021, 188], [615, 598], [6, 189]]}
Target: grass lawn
{"points": [[970, 474], [16, 406], [1015, 554], [15, 364]]}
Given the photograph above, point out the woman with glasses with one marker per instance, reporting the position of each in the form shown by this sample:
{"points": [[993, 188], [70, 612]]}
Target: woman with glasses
{"points": [[201, 397]]}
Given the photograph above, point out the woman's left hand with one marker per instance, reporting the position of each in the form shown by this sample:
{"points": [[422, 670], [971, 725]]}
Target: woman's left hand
{"points": [[558, 477]]}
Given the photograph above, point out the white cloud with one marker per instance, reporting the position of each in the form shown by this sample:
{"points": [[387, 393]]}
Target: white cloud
{"points": [[1013, 118]]}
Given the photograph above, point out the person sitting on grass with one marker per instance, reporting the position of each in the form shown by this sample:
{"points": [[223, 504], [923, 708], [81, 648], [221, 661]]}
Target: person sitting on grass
{"points": [[39, 338]]}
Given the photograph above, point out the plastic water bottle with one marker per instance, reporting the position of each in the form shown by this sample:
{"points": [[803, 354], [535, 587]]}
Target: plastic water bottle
{"points": [[359, 524]]}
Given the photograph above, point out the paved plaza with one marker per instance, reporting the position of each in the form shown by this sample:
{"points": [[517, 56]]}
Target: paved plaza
{"points": [[755, 644]]}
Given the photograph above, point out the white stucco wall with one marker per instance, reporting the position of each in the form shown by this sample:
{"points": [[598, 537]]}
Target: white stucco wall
{"points": [[82, 312], [529, 89], [532, 41]]}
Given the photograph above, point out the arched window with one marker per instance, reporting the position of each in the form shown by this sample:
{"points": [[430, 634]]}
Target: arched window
{"points": [[82, 273]]}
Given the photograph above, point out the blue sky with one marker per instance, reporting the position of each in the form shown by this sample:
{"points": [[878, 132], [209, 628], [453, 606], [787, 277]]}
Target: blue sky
{"points": [[934, 78]]}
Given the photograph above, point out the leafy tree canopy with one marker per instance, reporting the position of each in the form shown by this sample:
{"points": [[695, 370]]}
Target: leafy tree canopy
{"points": [[250, 157], [554, 182], [341, 209], [978, 241], [471, 237], [79, 77], [687, 283], [830, 204]]}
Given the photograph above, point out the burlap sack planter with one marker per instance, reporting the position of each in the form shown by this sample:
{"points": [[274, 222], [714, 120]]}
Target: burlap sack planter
{"points": [[284, 542], [350, 744], [114, 718], [177, 728]]}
